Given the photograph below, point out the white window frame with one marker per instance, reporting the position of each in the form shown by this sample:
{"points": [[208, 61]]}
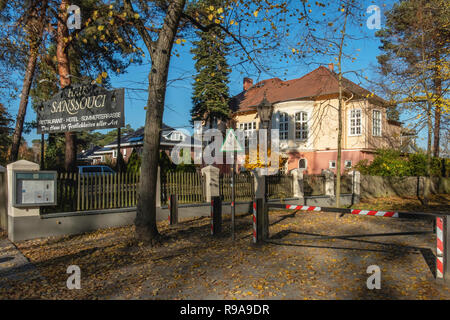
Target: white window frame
{"points": [[176, 136], [303, 123], [124, 153], [284, 126], [306, 163], [114, 153], [352, 116], [380, 126], [345, 164], [330, 166], [249, 130]]}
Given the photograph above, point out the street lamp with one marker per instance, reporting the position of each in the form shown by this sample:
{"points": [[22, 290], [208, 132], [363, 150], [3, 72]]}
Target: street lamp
{"points": [[265, 110]]}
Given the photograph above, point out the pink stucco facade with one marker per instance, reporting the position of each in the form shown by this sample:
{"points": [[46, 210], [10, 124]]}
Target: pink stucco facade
{"points": [[316, 161]]}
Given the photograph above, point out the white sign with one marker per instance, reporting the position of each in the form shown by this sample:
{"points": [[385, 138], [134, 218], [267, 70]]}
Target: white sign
{"points": [[36, 191], [35, 188], [231, 143]]}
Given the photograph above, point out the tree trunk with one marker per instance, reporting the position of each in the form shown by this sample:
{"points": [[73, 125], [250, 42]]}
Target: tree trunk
{"points": [[145, 222], [29, 74], [427, 184], [64, 80], [339, 142], [437, 79], [339, 145], [28, 80]]}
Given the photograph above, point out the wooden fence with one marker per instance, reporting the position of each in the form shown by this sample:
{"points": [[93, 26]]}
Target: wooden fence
{"points": [[189, 186], [245, 187], [279, 186], [108, 191], [92, 191]]}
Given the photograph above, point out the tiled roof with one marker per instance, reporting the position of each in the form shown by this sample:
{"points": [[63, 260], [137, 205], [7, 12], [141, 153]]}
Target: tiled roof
{"points": [[319, 82]]}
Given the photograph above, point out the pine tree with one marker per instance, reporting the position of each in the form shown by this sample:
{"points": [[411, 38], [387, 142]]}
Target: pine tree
{"points": [[210, 97]]}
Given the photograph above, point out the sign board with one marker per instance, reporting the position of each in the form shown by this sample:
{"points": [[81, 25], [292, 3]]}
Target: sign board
{"points": [[34, 188], [231, 142], [82, 108]]}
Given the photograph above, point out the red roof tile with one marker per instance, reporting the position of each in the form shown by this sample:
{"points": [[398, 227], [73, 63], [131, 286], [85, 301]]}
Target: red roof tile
{"points": [[318, 82]]}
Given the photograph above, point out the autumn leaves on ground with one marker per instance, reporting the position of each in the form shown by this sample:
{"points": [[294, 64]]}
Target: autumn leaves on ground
{"points": [[297, 263]]}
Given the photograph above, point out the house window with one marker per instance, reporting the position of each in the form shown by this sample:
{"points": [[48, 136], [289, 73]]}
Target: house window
{"points": [[348, 164], [355, 122], [301, 126], [249, 130], [302, 163], [284, 125], [114, 154], [332, 164], [376, 123], [176, 136], [124, 152]]}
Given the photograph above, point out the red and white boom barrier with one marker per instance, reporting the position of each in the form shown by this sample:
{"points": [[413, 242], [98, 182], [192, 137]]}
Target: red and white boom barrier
{"points": [[440, 247], [442, 228]]}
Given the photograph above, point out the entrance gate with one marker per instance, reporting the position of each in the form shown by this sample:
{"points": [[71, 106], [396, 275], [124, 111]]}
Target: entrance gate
{"points": [[442, 227]]}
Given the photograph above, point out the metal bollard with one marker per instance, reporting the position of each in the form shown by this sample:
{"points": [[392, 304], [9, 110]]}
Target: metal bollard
{"points": [[173, 209], [258, 221], [216, 215]]}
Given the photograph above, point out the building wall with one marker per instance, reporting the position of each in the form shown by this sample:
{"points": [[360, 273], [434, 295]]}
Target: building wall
{"points": [[321, 145], [320, 160]]}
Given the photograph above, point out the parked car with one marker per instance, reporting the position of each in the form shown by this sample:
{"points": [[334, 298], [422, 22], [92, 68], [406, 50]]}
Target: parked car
{"points": [[95, 170]]}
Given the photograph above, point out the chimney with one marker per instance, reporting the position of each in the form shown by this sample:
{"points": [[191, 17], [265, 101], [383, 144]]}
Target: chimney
{"points": [[247, 83], [331, 67]]}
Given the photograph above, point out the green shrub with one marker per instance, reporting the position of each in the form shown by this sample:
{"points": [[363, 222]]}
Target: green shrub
{"points": [[389, 162]]}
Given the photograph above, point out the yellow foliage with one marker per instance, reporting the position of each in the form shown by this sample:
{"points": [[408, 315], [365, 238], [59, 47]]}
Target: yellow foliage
{"points": [[260, 161]]}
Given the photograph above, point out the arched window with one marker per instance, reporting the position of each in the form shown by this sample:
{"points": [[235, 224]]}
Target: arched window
{"points": [[284, 125], [301, 125], [302, 163]]}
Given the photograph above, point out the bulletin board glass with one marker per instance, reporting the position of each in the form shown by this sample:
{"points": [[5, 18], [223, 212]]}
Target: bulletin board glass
{"points": [[32, 189]]}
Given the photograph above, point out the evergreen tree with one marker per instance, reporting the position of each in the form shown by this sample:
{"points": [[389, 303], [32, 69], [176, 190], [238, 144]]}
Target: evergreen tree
{"points": [[210, 97]]}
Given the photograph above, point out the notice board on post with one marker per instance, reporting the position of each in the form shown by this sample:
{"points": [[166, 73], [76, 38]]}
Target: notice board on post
{"points": [[82, 108], [34, 188]]}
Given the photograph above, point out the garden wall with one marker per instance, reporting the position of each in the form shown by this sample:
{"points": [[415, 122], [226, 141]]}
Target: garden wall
{"points": [[378, 186]]}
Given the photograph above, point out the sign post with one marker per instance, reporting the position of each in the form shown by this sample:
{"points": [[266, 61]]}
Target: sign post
{"points": [[231, 144]]}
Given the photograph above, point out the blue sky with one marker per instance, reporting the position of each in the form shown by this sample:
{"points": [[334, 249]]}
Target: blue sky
{"points": [[178, 98]]}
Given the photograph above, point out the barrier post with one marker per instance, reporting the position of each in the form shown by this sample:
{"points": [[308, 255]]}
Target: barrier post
{"points": [[258, 220], [262, 217], [442, 249], [265, 219], [446, 249], [216, 215], [173, 209]]}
